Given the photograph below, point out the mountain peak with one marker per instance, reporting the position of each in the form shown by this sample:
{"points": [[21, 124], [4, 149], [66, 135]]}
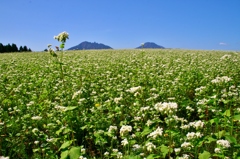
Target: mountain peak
{"points": [[150, 45], [89, 45]]}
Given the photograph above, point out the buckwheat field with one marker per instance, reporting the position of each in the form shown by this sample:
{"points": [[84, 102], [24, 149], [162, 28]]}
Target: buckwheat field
{"points": [[129, 104]]}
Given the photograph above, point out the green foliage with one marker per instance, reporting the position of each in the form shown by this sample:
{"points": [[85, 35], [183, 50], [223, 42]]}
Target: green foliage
{"points": [[113, 104]]}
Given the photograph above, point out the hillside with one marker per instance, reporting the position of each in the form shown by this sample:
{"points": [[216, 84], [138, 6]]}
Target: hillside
{"points": [[89, 45], [150, 45]]}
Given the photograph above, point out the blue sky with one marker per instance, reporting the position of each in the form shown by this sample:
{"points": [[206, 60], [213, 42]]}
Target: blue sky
{"points": [[123, 24]]}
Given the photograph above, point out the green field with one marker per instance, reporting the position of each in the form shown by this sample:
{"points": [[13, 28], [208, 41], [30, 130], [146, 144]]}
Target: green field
{"points": [[120, 104]]}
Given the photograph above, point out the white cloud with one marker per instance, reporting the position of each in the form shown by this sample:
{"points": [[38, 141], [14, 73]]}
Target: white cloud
{"points": [[222, 43]]}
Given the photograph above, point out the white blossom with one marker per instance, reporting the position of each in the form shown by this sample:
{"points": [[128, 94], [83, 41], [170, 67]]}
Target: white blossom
{"points": [[156, 133], [217, 150], [166, 108], [224, 143], [150, 146], [124, 142], [125, 129], [36, 118], [134, 89]]}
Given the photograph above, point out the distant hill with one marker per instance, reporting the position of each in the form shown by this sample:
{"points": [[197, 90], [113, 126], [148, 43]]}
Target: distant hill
{"points": [[150, 45], [88, 45]]}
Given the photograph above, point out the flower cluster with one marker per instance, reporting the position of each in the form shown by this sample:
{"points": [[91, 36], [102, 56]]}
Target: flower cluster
{"points": [[156, 133], [166, 108], [223, 79], [134, 89], [193, 135], [224, 143], [125, 129], [62, 37], [150, 146]]}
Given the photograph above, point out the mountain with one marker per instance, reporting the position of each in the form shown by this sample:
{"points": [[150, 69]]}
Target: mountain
{"points": [[150, 45], [88, 45]]}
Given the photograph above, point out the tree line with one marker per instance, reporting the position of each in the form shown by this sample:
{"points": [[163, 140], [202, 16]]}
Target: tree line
{"points": [[13, 48]]}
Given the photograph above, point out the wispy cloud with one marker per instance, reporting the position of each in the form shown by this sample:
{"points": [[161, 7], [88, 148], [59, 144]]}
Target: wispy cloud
{"points": [[222, 43]]}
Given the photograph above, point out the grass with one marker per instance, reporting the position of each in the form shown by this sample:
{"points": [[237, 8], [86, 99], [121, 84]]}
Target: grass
{"points": [[120, 104]]}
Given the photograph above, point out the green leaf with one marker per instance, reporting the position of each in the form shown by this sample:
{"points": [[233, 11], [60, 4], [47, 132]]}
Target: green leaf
{"points": [[75, 152], [231, 139], [70, 108], [146, 131], [236, 117], [204, 155], [62, 45], [66, 145], [133, 157], [152, 156], [164, 150], [64, 154], [227, 113]]}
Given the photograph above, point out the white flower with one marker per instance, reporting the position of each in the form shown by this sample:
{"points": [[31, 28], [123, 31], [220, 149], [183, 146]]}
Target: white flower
{"points": [[217, 150], [149, 122], [222, 79], [36, 118], [197, 124], [2, 157], [83, 150], [112, 128], [185, 156], [119, 155], [115, 150], [76, 94], [133, 89], [106, 153], [124, 142], [136, 146], [81, 157], [116, 100], [224, 143], [185, 127], [124, 129], [177, 150], [186, 145], [166, 108], [156, 133], [36, 142], [193, 135], [62, 37], [150, 146], [190, 108]]}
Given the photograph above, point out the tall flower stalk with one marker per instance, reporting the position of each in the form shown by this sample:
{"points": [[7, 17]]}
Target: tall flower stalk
{"points": [[62, 37]]}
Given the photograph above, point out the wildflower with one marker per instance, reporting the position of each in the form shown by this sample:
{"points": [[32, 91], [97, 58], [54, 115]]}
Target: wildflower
{"points": [[76, 94], [223, 79], [2, 157], [224, 143], [112, 128], [149, 123], [124, 129], [36, 142], [115, 150], [156, 133], [119, 155], [116, 100], [193, 135], [124, 142], [62, 37], [190, 108], [185, 156], [97, 105], [197, 124], [106, 153], [150, 146], [36, 118], [133, 89], [81, 157], [177, 150], [83, 150], [166, 108], [217, 150], [136, 146], [186, 145], [225, 57]]}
